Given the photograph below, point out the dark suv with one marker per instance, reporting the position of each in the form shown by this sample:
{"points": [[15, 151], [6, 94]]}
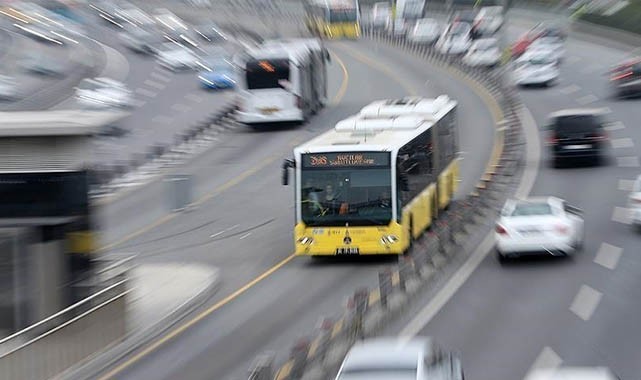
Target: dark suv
{"points": [[626, 79], [576, 134]]}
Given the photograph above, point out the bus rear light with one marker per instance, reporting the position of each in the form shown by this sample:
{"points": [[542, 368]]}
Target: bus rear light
{"points": [[299, 102]]}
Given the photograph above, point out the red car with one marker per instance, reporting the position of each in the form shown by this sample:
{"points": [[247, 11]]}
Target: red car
{"points": [[539, 30]]}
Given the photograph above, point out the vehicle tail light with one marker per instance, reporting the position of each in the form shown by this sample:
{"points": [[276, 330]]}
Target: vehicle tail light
{"points": [[299, 102], [553, 139], [600, 136], [500, 230], [621, 76], [562, 229]]}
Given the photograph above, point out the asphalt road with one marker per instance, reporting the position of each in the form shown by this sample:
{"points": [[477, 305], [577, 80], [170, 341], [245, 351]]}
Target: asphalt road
{"points": [[578, 311], [244, 223]]}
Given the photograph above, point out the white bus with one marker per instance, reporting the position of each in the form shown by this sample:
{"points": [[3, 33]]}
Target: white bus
{"points": [[284, 81], [377, 180]]}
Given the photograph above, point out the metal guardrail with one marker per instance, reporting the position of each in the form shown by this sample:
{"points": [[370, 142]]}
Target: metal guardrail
{"points": [[54, 344]]}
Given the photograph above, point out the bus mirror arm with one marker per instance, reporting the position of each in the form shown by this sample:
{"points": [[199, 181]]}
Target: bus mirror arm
{"points": [[288, 163]]}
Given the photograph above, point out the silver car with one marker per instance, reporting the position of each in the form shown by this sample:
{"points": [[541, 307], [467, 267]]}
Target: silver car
{"points": [[394, 359]]}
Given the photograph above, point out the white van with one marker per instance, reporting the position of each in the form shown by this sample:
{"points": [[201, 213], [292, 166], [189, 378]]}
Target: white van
{"points": [[283, 81]]}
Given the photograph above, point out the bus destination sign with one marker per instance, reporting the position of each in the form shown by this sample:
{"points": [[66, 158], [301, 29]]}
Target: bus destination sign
{"points": [[354, 159]]}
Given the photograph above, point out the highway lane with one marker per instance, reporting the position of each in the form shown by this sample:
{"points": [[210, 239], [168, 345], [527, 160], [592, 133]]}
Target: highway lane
{"points": [[578, 311], [288, 302]]}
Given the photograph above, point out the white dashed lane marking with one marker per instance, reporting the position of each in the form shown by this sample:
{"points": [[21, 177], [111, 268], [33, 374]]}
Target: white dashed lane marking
{"points": [[194, 98], [586, 302], [621, 215], [628, 162], [145, 92], [161, 77], [608, 256], [571, 89], [615, 126], [155, 85], [624, 142], [180, 107], [546, 359], [626, 184], [587, 99], [245, 235], [162, 119]]}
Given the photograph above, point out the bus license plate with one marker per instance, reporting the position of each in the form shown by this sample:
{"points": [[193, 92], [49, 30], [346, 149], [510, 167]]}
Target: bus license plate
{"points": [[347, 251]]}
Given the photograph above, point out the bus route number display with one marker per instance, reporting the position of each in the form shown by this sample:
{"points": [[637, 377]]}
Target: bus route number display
{"points": [[337, 160]]}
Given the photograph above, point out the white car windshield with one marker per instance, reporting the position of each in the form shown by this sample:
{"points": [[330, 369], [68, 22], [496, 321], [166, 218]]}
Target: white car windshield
{"points": [[531, 209]]}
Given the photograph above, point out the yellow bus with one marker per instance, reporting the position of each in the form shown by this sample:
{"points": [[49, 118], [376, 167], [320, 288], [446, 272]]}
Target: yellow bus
{"points": [[377, 180], [333, 19]]}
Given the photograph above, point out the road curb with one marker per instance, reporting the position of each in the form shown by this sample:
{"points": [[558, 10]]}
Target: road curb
{"points": [[453, 235]]}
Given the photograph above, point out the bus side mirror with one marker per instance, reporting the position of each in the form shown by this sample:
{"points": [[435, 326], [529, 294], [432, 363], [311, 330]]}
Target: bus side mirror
{"points": [[285, 171]]}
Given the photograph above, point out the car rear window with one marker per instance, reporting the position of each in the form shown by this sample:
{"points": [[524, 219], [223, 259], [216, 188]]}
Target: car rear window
{"points": [[531, 209], [575, 124]]}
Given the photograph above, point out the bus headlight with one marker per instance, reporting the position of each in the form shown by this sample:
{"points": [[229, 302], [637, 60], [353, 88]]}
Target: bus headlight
{"points": [[305, 240], [389, 239]]}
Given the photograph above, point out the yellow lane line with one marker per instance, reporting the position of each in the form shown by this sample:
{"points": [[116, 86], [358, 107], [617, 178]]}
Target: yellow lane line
{"points": [[179, 330], [343, 88]]}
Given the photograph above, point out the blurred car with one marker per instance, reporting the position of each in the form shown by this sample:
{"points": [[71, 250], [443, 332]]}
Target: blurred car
{"points": [[538, 225], [103, 92], [398, 27], [489, 20], [554, 45], [634, 203], [543, 29], [217, 73], [572, 373], [576, 134], [425, 31], [8, 87], [467, 16], [625, 79], [539, 69], [141, 40], [381, 15], [456, 39], [175, 57], [36, 62], [210, 33], [389, 358], [483, 52]]}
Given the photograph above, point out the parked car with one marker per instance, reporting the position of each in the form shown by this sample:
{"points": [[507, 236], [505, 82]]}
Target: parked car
{"points": [[484, 52], [536, 69], [576, 134], [489, 20], [103, 92], [389, 358], [456, 39], [381, 15], [539, 226], [425, 31]]}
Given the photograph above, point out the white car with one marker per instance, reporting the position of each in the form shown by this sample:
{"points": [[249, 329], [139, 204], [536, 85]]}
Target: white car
{"points": [[634, 203], [174, 56], [8, 87], [483, 52], [103, 92], [390, 358], [456, 39], [572, 373], [554, 47], [425, 31], [381, 15], [538, 225], [489, 20], [398, 27], [541, 69]]}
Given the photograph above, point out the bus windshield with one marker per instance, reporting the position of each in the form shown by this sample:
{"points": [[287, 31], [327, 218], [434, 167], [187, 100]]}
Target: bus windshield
{"points": [[342, 15], [354, 195], [261, 74]]}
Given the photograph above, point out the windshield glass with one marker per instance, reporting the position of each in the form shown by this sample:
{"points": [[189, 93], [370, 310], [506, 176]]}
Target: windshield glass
{"points": [[342, 15], [531, 209], [576, 124], [262, 74], [335, 191]]}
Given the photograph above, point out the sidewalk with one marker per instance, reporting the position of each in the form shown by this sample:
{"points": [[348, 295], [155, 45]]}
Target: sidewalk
{"points": [[161, 294]]}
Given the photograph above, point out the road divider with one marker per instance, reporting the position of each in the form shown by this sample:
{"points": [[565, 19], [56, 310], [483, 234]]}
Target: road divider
{"points": [[456, 233]]}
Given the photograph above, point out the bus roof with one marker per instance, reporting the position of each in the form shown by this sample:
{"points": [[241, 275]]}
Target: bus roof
{"points": [[388, 132], [297, 53]]}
